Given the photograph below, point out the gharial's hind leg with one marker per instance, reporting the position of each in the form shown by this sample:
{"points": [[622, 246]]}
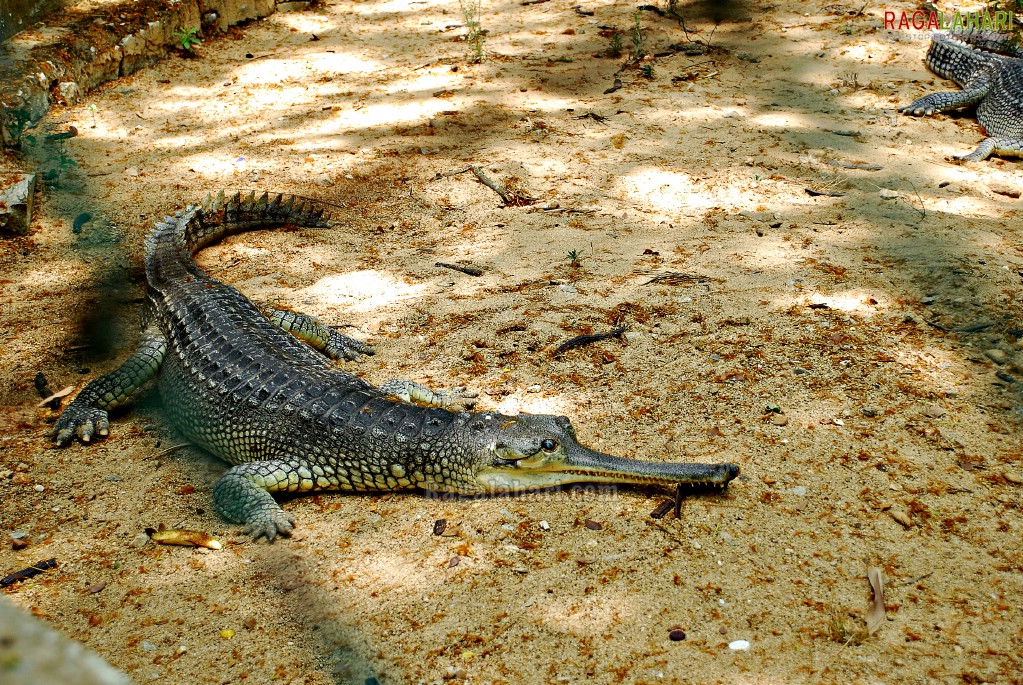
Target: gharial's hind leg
{"points": [[411, 391], [317, 334]]}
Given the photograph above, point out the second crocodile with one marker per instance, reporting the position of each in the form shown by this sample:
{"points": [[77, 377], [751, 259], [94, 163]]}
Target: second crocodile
{"points": [[991, 81], [240, 384]]}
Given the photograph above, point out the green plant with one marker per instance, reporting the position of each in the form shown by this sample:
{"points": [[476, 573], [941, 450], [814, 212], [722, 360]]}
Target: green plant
{"points": [[648, 70], [614, 47], [475, 36], [637, 38], [575, 258], [92, 108], [187, 38]]}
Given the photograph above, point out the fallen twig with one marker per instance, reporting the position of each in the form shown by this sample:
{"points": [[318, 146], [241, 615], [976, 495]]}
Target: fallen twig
{"points": [[33, 570], [580, 340], [470, 270], [510, 199], [454, 172]]}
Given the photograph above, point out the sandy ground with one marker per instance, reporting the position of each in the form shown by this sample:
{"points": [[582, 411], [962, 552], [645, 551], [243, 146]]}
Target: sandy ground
{"points": [[877, 325]]}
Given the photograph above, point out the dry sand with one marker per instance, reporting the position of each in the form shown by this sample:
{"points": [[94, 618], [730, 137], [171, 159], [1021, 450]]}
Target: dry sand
{"points": [[876, 324]]}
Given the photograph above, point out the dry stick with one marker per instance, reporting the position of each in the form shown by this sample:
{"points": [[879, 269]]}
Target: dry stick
{"points": [[454, 172], [470, 270], [508, 198]]}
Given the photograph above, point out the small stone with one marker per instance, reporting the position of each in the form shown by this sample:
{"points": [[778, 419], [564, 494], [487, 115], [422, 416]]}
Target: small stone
{"points": [[901, 517], [927, 300], [593, 525], [5, 474], [996, 355], [97, 588], [250, 623], [909, 318], [633, 336], [799, 491], [544, 525], [38, 488], [739, 645], [533, 388], [779, 419], [888, 194], [147, 646], [131, 171], [19, 535], [568, 288], [139, 541], [677, 635], [1013, 477], [869, 412], [933, 411], [20, 479], [799, 371], [19, 544], [295, 6], [324, 180]]}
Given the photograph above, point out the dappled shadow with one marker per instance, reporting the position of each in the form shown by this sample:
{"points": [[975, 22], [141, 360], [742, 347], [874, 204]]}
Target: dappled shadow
{"points": [[863, 317]]}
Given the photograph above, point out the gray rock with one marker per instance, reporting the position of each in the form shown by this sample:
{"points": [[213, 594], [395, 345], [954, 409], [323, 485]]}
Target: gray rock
{"points": [[16, 194], [33, 653]]}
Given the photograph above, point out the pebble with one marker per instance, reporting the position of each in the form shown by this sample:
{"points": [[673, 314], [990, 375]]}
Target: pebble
{"points": [[454, 673], [19, 534], [147, 646], [633, 336], [799, 371], [1013, 477], [996, 355], [533, 388], [738, 645], [568, 288], [929, 299], [96, 588], [544, 525], [5, 474], [779, 419], [901, 517], [140, 541], [799, 491], [38, 488], [933, 411], [888, 194], [869, 412], [677, 635]]}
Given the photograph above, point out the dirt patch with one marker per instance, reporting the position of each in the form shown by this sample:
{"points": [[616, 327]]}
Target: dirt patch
{"points": [[883, 326]]}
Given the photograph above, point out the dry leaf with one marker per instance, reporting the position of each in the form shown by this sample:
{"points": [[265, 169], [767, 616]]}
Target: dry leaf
{"points": [[57, 395], [875, 610], [187, 538]]}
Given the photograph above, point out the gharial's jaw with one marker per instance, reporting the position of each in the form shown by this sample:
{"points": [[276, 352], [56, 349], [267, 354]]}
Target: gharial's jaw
{"points": [[579, 464]]}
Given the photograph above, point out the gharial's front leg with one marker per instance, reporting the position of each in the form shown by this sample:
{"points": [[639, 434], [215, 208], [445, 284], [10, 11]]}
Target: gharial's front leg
{"points": [[317, 334], [87, 414], [410, 391], [941, 102]]}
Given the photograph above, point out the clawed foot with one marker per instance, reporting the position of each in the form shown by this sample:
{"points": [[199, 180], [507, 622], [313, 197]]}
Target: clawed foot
{"points": [[81, 420], [270, 524], [340, 346]]}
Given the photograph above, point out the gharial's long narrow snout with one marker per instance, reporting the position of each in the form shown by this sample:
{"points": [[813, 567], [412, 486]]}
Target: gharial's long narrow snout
{"points": [[541, 452]]}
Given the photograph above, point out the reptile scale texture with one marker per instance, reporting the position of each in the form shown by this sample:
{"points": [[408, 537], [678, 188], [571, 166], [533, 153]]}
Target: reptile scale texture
{"points": [[259, 390], [991, 81]]}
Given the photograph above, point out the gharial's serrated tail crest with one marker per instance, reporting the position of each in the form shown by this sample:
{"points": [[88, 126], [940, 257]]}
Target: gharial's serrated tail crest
{"points": [[177, 238]]}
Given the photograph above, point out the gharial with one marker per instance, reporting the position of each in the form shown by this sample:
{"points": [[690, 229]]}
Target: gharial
{"points": [[242, 385], [991, 81]]}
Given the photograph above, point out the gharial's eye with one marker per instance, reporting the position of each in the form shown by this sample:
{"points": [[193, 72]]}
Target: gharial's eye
{"points": [[549, 444]]}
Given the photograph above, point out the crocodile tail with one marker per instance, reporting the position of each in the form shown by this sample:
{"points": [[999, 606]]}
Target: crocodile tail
{"points": [[169, 248]]}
